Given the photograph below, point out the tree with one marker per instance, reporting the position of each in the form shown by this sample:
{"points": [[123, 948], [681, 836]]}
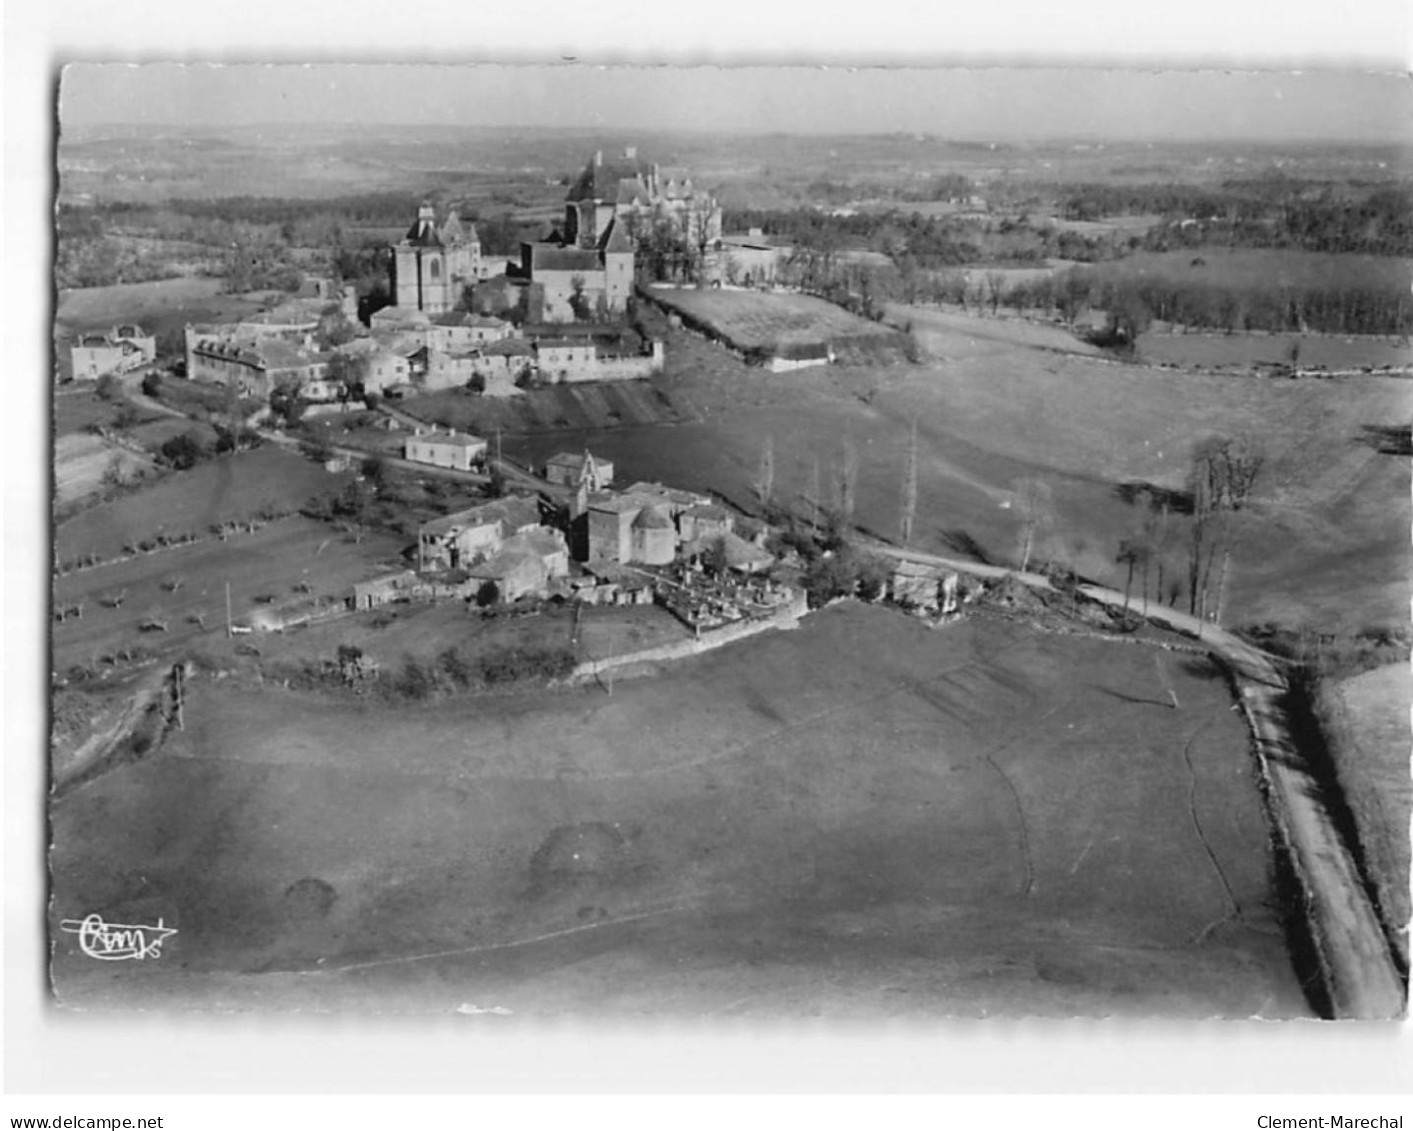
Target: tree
{"points": [[995, 285], [1034, 503], [848, 481], [1222, 481], [578, 302], [152, 383], [477, 383], [909, 509], [488, 594], [376, 469], [1132, 554], [714, 558], [185, 451], [764, 485]]}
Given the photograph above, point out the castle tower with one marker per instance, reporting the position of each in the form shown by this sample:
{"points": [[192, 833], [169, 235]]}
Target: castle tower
{"points": [[431, 266]]}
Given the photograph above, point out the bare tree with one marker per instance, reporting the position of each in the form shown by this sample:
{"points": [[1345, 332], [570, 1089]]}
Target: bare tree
{"points": [[764, 486], [995, 284], [848, 480], [1034, 503], [909, 489], [1223, 478]]}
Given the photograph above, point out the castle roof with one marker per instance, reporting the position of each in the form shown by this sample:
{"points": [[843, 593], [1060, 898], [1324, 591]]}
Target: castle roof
{"points": [[616, 238], [458, 442], [601, 179]]}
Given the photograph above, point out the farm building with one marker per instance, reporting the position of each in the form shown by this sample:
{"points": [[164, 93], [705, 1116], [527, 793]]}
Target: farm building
{"points": [[525, 564], [399, 318], [380, 590], [569, 469], [705, 520], [752, 260], [121, 350], [456, 539], [799, 355], [458, 331], [615, 584], [459, 452]]}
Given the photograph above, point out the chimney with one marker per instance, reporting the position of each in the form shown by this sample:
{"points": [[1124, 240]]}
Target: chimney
{"points": [[427, 213], [598, 157]]}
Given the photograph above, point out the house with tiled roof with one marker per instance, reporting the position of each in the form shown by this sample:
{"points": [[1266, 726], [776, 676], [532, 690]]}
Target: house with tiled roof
{"points": [[120, 350], [459, 451], [254, 366], [456, 540], [460, 331], [570, 469]]}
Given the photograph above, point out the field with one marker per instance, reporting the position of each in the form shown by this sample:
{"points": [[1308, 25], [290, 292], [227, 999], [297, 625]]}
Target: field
{"points": [[83, 463], [228, 488], [423, 631], [1257, 268], [1367, 718], [267, 563], [863, 818], [773, 323], [606, 405], [1328, 545]]}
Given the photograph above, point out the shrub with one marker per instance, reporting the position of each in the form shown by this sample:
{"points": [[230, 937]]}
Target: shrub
{"points": [[456, 667], [512, 663], [415, 681]]}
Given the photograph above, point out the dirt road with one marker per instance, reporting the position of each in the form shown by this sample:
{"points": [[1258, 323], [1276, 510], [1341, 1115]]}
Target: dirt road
{"points": [[1361, 975]]}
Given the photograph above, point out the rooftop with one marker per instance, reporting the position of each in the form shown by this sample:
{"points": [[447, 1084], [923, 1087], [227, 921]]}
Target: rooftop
{"points": [[465, 440]]}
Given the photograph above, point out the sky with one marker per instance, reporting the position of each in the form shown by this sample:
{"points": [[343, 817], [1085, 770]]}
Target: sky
{"points": [[981, 102]]}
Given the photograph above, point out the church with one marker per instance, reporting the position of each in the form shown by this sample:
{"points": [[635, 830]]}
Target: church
{"points": [[431, 266]]}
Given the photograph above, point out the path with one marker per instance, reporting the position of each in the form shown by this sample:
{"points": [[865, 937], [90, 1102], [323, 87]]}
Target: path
{"points": [[1359, 968]]}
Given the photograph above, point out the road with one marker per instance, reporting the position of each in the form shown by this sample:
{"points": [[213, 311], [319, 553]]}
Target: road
{"points": [[1360, 971]]}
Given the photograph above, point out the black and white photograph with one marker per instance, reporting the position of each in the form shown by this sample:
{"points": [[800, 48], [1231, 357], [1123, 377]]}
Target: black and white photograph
{"points": [[735, 544]]}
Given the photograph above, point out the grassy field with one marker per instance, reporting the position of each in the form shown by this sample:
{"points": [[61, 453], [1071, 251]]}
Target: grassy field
{"points": [[229, 487], [605, 405], [862, 818], [83, 466], [1328, 544], [267, 563], [423, 631], [77, 409], [1246, 268], [773, 323], [1367, 719]]}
